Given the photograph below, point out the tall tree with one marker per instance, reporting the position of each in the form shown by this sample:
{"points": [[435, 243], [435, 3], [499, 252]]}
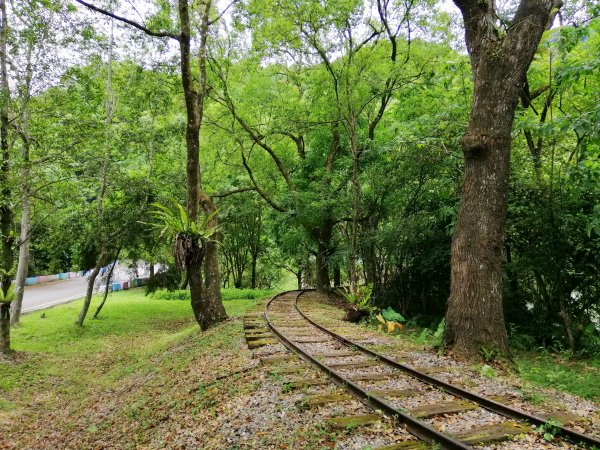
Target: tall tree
{"points": [[205, 294], [499, 61], [6, 212]]}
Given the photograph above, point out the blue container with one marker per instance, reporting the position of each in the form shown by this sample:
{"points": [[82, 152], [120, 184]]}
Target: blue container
{"points": [[116, 287]]}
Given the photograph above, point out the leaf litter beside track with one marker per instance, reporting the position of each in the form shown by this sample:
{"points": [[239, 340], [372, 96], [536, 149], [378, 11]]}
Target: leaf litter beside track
{"points": [[464, 374]]}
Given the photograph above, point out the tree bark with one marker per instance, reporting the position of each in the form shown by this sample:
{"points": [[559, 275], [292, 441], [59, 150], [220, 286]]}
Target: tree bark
{"points": [[25, 238], [475, 317], [5, 328], [214, 309], [337, 276], [323, 236], [6, 213], [356, 198], [24, 251], [205, 297], [106, 286], [90, 288], [253, 274]]}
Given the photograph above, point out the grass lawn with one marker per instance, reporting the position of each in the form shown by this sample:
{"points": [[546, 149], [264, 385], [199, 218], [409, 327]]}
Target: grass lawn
{"points": [[61, 374]]}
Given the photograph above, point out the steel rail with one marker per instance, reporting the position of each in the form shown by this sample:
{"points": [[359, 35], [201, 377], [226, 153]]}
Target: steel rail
{"points": [[416, 427], [484, 402]]}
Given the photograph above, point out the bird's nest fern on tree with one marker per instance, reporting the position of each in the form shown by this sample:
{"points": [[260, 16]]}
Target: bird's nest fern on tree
{"points": [[189, 237]]}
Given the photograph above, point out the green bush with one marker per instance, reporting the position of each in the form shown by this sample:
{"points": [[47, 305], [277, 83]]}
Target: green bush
{"points": [[247, 294], [163, 294], [226, 294]]}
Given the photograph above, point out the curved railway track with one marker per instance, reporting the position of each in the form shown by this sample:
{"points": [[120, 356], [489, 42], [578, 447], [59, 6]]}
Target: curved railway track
{"points": [[302, 335]]}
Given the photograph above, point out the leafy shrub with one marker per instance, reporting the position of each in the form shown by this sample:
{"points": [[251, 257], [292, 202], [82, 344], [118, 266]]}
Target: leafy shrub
{"points": [[360, 303], [431, 337], [391, 315], [163, 294], [226, 294], [487, 371], [247, 294]]}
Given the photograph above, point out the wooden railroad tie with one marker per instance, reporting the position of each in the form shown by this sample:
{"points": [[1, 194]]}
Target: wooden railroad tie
{"points": [[261, 342], [439, 409], [257, 336], [375, 376], [406, 445], [267, 360], [312, 340], [306, 382], [323, 399], [355, 365], [487, 434], [392, 392], [338, 354], [353, 421]]}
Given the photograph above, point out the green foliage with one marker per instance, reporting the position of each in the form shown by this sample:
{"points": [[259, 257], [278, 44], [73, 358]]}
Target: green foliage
{"points": [[9, 296], [431, 337], [549, 430], [361, 299], [174, 220], [561, 371], [489, 354], [487, 371], [162, 294], [226, 294], [391, 315], [248, 294]]}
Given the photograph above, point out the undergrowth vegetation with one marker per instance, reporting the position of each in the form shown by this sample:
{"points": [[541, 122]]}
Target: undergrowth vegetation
{"points": [[226, 294]]}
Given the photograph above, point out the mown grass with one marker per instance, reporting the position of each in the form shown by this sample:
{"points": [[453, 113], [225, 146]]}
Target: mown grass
{"points": [[52, 351]]}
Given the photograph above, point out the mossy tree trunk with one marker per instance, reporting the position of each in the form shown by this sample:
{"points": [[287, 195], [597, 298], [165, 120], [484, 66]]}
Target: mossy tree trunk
{"points": [[6, 212], [499, 62]]}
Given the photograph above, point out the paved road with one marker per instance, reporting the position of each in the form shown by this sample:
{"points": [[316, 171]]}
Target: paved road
{"points": [[44, 295]]}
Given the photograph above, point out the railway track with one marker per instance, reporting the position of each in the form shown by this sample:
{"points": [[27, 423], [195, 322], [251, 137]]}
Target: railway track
{"points": [[400, 392]]}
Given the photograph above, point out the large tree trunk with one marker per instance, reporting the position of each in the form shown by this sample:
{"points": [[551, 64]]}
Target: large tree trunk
{"points": [[253, 273], [206, 299], [323, 236], [337, 275], [322, 268], [194, 276], [356, 196], [215, 311], [4, 328], [6, 213], [475, 318]]}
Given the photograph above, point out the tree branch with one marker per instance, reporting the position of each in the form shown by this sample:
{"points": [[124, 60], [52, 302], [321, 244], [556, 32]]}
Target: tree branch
{"points": [[216, 19], [129, 22], [235, 191], [259, 190]]}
